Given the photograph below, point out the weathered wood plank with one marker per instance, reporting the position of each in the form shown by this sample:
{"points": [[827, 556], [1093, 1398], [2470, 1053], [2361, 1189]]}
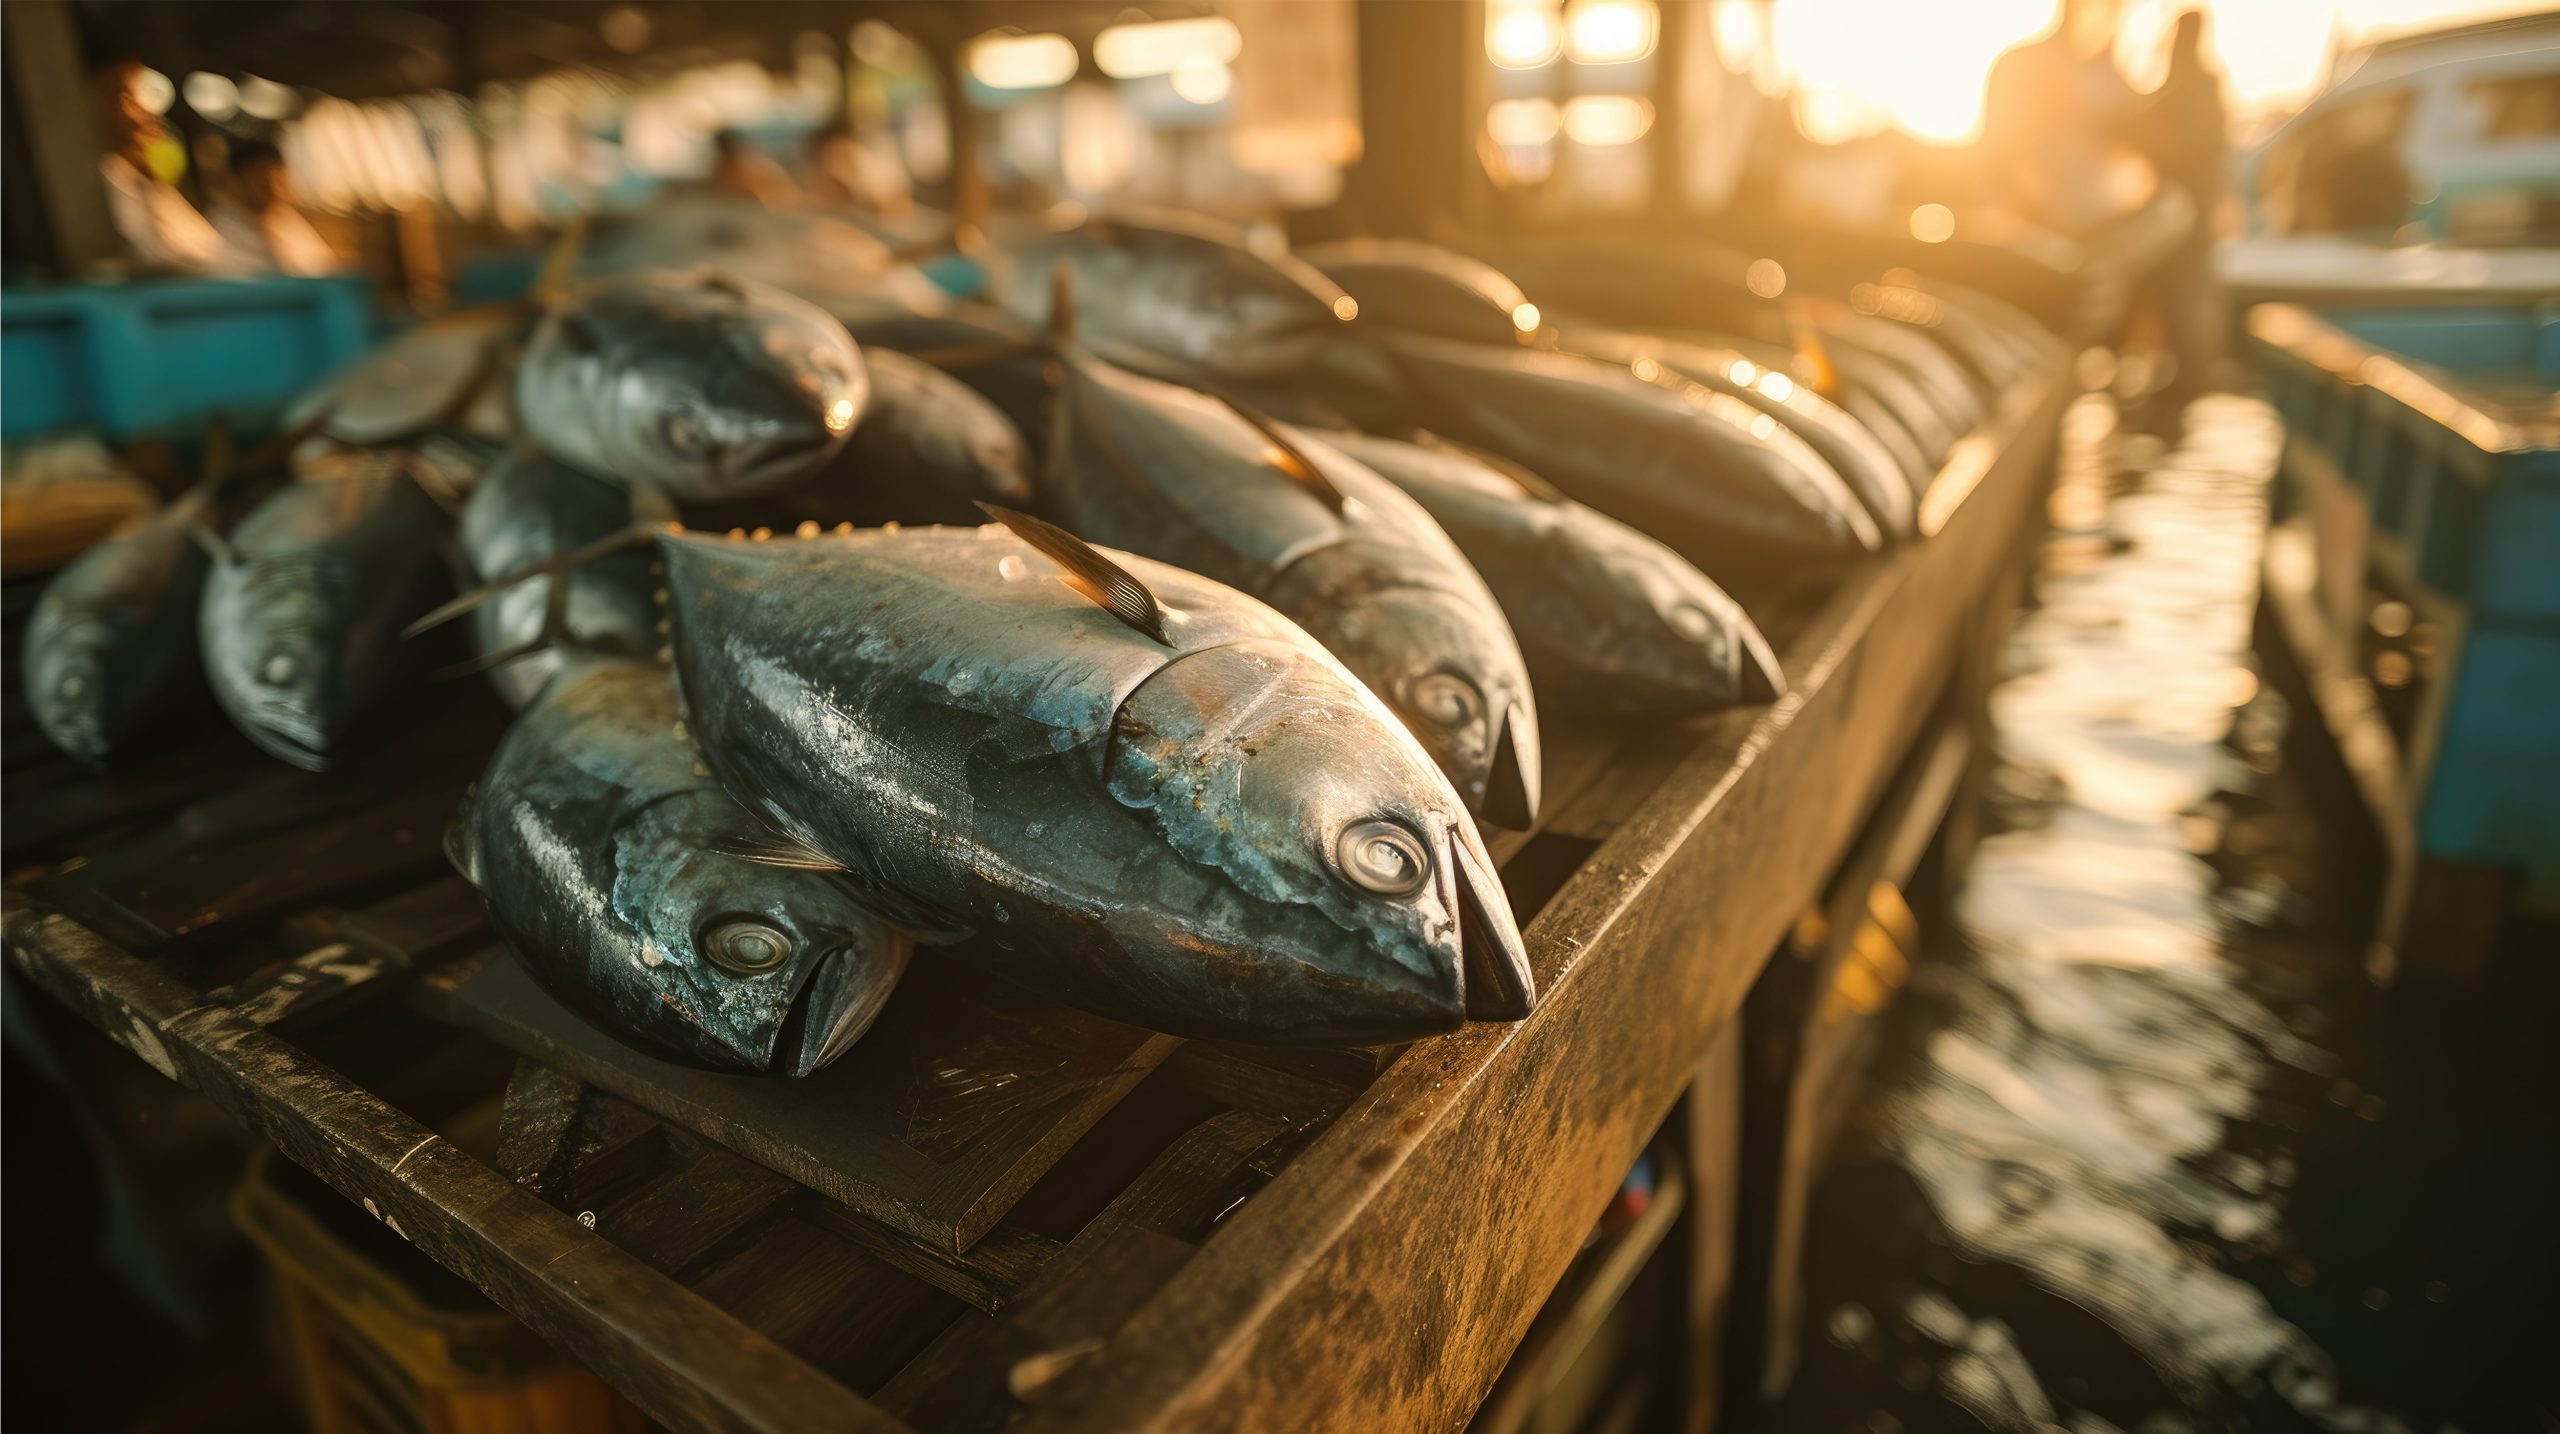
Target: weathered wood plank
{"points": [[703, 1206], [988, 1275], [274, 845], [319, 981], [1577, 1309], [892, 1129], [828, 1302], [1449, 1198], [683, 1360], [973, 1374]]}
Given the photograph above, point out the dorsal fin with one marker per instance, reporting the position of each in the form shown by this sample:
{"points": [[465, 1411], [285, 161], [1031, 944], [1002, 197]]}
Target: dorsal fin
{"points": [[1111, 587], [1292, 459], [1530, 483]]}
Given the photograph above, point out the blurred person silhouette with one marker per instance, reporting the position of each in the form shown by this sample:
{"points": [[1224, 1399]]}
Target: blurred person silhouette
{"points": [[2054, 110], [159, 227], [842, 169], [2184, 132], [742, 171], [256, 215]]}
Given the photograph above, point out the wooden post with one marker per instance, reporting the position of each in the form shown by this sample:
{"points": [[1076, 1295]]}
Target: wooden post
{"points": [[1714, 1144], [1418, 64], [52, 112]]}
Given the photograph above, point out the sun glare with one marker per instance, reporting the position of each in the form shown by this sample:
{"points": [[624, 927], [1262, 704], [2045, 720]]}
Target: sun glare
{"points": [[1859, 66]]}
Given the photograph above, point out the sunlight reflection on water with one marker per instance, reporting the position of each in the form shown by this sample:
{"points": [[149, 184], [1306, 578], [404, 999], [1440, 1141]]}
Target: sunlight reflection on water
{"points": [[2067, 1114]]}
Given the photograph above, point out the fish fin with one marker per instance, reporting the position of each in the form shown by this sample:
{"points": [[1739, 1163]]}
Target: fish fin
{"points": [[629, 538], [1109, 585], [215, 546], [554, 632], [484, 370], [1530, 483], [775, 851], [462, 836], [1819, 373], [431, 478], [491, 661], [560, 263], [1292, 459]]}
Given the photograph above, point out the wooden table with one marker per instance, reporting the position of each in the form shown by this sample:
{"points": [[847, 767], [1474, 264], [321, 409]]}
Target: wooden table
{"points": [[1149, 1233]]}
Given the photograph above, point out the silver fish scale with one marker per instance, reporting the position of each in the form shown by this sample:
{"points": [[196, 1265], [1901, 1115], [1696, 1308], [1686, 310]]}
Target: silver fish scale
{"points": [[607, 861], [1123, 823]]}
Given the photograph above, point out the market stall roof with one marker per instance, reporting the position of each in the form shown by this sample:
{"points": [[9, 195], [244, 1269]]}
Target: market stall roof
{"points": [[404, 46]]}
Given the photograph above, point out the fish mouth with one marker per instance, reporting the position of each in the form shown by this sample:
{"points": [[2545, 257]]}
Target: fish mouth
{"points": [[304, 750], [1759, 678], [1493, 962], [1513, 780], [830, 1011], [786, 456]]}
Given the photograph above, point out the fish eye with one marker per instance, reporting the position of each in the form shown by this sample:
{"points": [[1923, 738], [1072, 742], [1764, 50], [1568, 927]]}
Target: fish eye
{"points": [[1691, 622], [682, 431], [1383, 856], [278, 668], [1447, 698], [745, 946]]}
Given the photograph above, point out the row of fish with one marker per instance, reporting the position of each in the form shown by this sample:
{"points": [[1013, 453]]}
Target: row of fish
{"points": [[1203, 748]]}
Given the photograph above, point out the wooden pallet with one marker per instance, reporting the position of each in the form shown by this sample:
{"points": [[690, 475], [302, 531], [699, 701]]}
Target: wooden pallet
{"points": [[1146, 1233]]}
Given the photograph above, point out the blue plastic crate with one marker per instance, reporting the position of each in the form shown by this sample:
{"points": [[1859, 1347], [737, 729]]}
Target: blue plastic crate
{"points": [[155, 358], [2454, 445]]}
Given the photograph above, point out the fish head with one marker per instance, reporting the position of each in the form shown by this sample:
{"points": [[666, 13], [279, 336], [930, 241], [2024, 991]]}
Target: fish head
{"points": [[709, 386], [1267, 762], [274, 650], [771, 963], [71, 681], [1454, 678], [1687, 636]]}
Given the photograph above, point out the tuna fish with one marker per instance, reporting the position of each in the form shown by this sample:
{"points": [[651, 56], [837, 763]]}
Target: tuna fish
{"points": [[614, 871], [456, 370], [1704, 470], [1152, 795], [1180, 286], [526, 509], [301, 618], [111, 646], [1864, 463], [1610, 619], [1186, 478], [1425, 289], [701, 386]]}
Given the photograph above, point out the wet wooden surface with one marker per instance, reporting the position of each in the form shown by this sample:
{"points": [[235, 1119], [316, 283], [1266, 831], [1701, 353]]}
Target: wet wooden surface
{"points": [[894, 1129], [1184, 1234]]}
